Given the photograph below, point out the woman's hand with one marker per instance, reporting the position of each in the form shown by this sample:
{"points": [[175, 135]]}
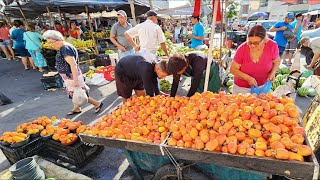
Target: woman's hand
{"points": [[310, 67], [272, 77], [163, 94], [251, 81]]}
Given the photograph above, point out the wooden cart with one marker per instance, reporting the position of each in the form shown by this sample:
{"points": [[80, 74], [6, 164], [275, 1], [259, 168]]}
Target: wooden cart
{"points": [[150, 157]]}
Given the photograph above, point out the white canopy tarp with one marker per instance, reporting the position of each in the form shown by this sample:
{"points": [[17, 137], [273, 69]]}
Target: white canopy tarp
{"points": [[315, 12]]}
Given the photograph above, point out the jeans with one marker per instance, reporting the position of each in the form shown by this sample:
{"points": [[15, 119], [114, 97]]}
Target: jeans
{"points": [[126, 53]]}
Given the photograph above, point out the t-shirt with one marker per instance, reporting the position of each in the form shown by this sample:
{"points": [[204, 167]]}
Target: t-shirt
{"points": [[4, 33], [32, 40], [198, 30], [259, 71], [62, 65], [119, 31], [136, 68], [279, 37], [305, 22], [298, 34], [150, 35], [74, 32], [197, 64], [17, 36]]}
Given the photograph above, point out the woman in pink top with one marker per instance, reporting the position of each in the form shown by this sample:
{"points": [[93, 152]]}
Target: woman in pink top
{"points": [[5, 42], [255, 61]]}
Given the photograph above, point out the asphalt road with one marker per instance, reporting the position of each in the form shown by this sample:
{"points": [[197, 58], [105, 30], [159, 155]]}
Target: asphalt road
{"points": [[30, 101]]}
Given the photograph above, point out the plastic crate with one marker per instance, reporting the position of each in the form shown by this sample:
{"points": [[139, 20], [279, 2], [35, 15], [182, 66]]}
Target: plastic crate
{"points": [[84, 57], [34, 147], [52, 82], [77, 154]]}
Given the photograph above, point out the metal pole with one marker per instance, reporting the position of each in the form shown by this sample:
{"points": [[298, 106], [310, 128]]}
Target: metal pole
{"points": [[51, 20], [213, 29], [133, 14], [20, 8], [90, 25]]}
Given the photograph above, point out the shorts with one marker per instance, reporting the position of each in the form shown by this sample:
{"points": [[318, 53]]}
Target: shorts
{"points": [[125, 86], [292, 45], [6, 43], [23, 52], [281, 50]]}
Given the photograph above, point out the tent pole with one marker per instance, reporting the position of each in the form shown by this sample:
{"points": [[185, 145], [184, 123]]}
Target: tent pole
{"points": [[221, 29], [90, 25], [20, 8], [60, 14], [133, 15], [213, 29], [65, 22], [150, 4], [50, 17]]}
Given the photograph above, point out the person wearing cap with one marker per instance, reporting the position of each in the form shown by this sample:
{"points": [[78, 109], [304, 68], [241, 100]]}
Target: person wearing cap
{"points": [[314, 44], [279, 28], [197, 35], [134, 72], [117, 34], [197, 63], [293, 42], [149, 34]]}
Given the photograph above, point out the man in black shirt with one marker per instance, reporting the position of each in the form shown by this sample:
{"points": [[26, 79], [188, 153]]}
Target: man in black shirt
{"points": [[197, 63], [133, 72]]}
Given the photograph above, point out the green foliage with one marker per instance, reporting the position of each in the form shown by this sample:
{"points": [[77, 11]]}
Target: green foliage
{"points": [[233, 10]]}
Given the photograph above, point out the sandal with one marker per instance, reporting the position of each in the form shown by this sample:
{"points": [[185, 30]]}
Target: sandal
{"points": [[98, 108], [285, 62], [73, 112], [26, 69]]}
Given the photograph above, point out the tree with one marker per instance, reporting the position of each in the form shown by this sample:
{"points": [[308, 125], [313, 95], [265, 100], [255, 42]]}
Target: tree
{"points": [[233, 10]]}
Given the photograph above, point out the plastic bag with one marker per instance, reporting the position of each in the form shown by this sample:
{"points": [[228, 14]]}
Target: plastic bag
{"points": [[264, 89], [307, 83], [79, 97], [97, 80]]}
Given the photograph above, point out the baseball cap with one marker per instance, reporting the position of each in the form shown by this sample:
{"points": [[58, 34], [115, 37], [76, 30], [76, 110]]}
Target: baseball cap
{"points": [[122, 13], [290, 15], [303, 40], [151, 13]]}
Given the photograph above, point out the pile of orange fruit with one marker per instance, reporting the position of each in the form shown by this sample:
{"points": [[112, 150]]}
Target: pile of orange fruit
{"points": [[264, 125]]}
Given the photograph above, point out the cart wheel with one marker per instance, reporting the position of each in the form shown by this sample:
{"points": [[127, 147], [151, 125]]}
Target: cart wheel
{"points": [[169, 172]]}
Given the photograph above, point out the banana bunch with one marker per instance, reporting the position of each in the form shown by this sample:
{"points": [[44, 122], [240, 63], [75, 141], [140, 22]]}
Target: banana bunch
{"points": [[216, 52], [45, 45], [82, 44], [165, 85], [90, 73]]}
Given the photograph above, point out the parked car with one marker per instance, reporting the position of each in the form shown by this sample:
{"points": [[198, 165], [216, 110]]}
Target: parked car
{"points": [[265, 23]]}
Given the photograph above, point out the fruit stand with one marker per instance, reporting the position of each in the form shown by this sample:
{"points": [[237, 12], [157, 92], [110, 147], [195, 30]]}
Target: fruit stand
{"points": [[261, 137]]}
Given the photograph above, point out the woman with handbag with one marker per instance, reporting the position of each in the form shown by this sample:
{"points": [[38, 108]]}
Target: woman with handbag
{"points": [[67, 59], [5, 41], [19, 44], [32, 39]]}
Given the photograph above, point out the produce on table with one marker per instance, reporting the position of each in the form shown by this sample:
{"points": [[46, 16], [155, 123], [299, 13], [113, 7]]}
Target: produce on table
{"points": [[230, 83], [165, 85], [144, 119], [263, 125], [99, 35], [108, 51], [77, 43], [303, 92], [13, 137], [312, 92], [168, 35], [301, 81], [45, 127]]}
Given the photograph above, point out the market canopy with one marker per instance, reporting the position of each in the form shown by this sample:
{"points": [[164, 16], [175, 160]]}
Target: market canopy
{"points": [[34, 8], [185, 10]]}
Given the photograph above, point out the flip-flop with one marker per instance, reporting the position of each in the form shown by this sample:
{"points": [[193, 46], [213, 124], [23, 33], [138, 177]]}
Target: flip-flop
{"points": [[26, 69], [73, 112], [285, 62], [98, 108]]}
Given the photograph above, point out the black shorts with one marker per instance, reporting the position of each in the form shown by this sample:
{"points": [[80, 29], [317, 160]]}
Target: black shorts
{"points": [[125, 86]]}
